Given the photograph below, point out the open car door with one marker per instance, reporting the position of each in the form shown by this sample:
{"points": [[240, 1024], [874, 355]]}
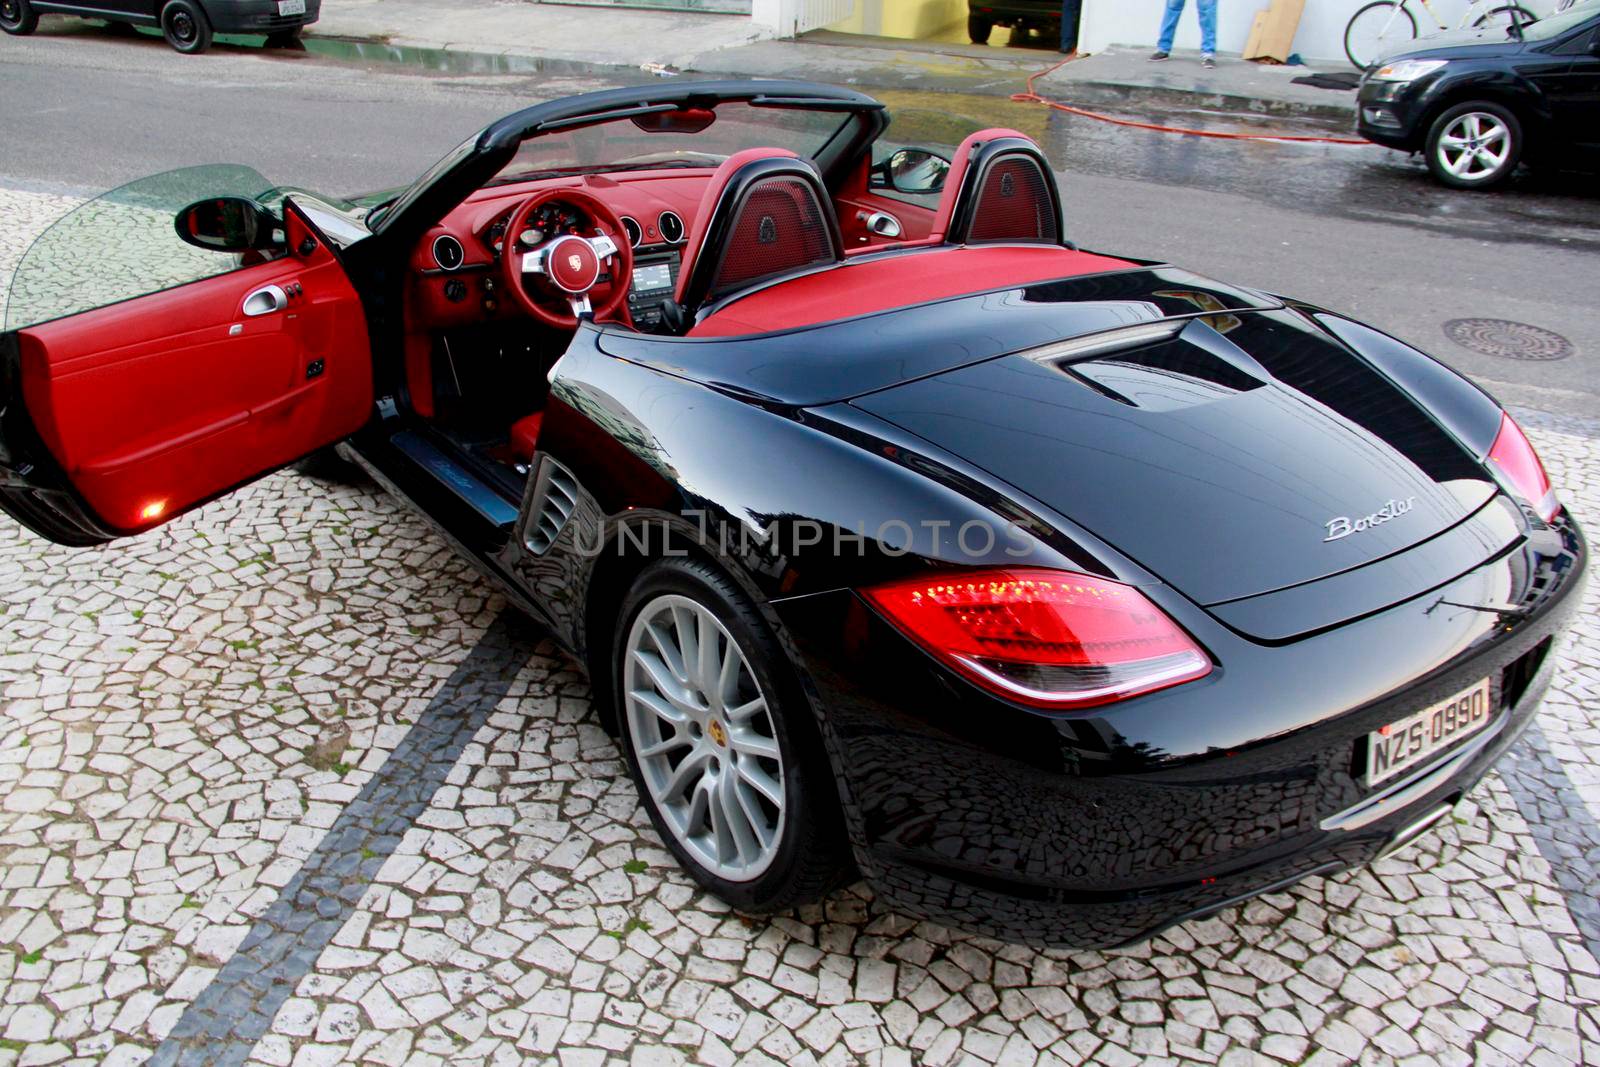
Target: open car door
{"points": [[141, 376]]}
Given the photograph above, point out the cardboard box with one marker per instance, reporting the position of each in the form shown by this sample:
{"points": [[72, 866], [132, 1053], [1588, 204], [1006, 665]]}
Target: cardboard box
{"points": [[1252, 44], [1272, 34]]}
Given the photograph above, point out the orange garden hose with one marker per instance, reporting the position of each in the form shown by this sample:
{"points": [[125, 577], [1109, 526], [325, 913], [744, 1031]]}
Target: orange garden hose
{"points": [[1032, 97]]}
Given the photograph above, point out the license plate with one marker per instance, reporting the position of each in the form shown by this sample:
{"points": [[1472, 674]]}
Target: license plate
{"points": [[1409, 742], [291, 7]]}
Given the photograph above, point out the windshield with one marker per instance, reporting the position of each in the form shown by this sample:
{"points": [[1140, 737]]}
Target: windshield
{"points": [[694, 137], [1556, 25], [123, 244]]}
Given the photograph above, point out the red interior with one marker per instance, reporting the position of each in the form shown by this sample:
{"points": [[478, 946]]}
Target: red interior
{"points": [[154, 404], [708, 201], [157, 403], [861, 285]]}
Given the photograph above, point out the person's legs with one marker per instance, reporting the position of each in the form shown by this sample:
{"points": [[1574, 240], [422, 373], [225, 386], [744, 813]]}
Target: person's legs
{"points": [[1169, 24], [1207, 10], [1071, 10]]}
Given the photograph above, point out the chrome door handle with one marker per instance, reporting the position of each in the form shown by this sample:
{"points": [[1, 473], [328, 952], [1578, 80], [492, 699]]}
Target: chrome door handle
{"points": [[266, 300], [882, 223]]}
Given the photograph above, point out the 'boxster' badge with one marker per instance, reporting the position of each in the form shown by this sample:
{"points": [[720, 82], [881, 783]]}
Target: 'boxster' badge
{"points": [[1344, 525]]}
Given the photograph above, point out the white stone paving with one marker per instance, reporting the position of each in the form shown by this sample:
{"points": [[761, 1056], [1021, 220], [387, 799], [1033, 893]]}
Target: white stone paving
{"points": [[185, 715]]}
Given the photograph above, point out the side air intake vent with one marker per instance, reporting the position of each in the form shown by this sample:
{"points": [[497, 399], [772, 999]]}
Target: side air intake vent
{"points": [[554, 499]]}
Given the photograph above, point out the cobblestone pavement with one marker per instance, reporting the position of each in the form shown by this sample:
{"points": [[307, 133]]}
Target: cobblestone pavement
{"points": [[283, 782]]}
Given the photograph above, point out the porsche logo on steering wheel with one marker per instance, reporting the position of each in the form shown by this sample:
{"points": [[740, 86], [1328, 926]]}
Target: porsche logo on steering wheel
{"points": [[575, 263]]}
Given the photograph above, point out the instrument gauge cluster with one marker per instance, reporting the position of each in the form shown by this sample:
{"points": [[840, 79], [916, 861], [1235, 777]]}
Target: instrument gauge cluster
{"points": [[552, 220]]}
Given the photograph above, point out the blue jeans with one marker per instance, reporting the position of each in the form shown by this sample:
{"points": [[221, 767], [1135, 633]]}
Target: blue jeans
{"points": [[1208, 25], [1071, 10]]}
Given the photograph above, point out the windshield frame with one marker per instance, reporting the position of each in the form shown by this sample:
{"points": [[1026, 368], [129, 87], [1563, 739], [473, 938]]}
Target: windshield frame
{"points": [[476, 161]]}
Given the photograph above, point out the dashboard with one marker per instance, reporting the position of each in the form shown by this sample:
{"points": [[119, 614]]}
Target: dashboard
{"points": [[456, 278]]}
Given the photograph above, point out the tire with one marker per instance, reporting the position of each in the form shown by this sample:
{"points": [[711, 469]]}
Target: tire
{"points": [[186, 27], [979, 28], [1492, 140], [1371, 31], [763, 857], [1503, 15], [18, 18], [326, 465]]}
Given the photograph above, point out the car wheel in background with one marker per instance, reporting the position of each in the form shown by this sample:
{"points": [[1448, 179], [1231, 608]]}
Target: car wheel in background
{"points": [[1475, 145], [722, 745], [18, 18], [979, 28], [186, 27]]}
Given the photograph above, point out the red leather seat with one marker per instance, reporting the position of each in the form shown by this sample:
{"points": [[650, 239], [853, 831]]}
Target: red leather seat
{"points": [[525, 436]]}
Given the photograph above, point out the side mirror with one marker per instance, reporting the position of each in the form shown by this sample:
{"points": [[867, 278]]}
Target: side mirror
{"points": [[228, 224], [912, 170]]}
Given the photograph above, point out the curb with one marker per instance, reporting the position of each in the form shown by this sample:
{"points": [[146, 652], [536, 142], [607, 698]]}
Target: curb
{"points": [[1110, 94]]}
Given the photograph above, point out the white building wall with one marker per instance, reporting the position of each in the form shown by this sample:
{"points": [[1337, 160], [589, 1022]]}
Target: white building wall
{"points": [[1137, 23]]}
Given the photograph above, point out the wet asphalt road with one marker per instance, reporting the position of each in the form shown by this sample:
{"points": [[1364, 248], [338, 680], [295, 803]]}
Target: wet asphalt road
{"points": [[1357, 229]]}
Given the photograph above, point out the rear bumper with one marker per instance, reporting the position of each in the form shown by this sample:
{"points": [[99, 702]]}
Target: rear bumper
{"points": [[257, 16], [1097, 829]]}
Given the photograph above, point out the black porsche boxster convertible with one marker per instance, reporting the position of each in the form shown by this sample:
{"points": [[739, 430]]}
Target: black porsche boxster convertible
{"points": [[1062, 595]]}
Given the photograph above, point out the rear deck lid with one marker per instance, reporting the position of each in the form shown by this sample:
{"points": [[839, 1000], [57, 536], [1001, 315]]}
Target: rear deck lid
{"points": [[1231, 455]]}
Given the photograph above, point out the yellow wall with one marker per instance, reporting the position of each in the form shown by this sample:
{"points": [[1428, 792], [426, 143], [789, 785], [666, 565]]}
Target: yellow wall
{"points": [[906, 19]]}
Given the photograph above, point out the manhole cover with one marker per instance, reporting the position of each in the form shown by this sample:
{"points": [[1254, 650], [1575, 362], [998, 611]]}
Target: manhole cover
{"points": [[1507, 339]]}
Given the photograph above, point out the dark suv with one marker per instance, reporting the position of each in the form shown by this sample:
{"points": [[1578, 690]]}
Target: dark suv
{"points": [[188, 25], [1477, 102], [1041, 15]]}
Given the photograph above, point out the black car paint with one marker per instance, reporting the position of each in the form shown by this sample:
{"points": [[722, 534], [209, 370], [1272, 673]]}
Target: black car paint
{"points": [[1553, 87], [226, 16], [1087, 829], [765, 455]]}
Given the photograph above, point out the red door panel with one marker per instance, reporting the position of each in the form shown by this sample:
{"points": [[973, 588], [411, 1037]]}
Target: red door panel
{"points": [[856, 201], [158, 403]]}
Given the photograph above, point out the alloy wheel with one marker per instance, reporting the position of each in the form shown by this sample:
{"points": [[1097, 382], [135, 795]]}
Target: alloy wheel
{"points": [[703, 736], [10, 12], [182, 26], [1475, 146]]}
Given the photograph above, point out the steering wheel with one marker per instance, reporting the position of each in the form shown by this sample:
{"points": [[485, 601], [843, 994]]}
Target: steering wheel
{"points": [[567, 267]]}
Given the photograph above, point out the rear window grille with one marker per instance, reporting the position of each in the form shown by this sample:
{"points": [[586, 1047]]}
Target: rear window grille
{"points": [[779, 228], [1014, 204]]}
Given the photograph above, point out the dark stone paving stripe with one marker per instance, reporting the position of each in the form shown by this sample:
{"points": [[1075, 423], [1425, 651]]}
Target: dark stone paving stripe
{"points": [[1562, 825], [236, 1009]]}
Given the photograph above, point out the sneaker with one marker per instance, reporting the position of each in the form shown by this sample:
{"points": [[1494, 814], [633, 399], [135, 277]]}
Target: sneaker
{"points": [[1157, 57], [1209, 62]]}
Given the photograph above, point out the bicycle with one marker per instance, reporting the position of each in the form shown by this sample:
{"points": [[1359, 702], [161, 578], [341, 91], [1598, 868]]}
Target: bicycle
{"points": [[1377, 29]]}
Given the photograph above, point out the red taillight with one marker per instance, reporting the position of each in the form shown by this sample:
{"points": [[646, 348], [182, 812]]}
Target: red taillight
{"points": [[1513, 454], [1049, 638]]}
